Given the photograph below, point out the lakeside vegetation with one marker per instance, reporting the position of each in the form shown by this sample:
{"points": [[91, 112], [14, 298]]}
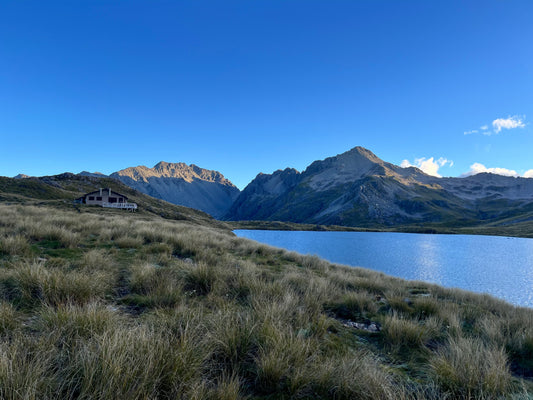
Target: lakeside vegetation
{"points": [[504, 227], [105, 304]]}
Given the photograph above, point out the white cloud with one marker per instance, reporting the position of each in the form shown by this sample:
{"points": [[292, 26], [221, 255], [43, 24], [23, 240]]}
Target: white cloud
{"points": [[516, 121], [428, 165], [478, 168], [528, 174], [508, 123]]}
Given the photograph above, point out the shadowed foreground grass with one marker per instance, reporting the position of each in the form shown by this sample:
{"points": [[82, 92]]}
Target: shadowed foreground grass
{"points": [[124, 306]]}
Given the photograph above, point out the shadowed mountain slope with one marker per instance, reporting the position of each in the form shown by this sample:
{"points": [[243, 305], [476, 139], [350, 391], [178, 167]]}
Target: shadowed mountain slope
{"points": [[357, 188], [182, 184]]}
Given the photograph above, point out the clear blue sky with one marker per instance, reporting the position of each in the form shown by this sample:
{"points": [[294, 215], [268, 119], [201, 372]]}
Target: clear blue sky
{"points": [[253, 86]]}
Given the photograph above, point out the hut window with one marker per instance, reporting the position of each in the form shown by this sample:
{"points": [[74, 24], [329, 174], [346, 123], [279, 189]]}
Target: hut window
{"points": [[91, 197], [112, 199], [99, 198]]}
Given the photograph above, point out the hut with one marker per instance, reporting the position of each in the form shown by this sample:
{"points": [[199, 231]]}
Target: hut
{"points": [[106, 198]]}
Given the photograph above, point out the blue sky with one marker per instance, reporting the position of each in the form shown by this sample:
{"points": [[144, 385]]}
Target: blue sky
{"points": [[253, 86]]}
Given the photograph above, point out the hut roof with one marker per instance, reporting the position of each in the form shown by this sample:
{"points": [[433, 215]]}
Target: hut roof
{"points": [[97, 192]]}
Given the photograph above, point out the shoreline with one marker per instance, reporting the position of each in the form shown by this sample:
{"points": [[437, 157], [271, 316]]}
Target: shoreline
{"points": [[516, 230]]}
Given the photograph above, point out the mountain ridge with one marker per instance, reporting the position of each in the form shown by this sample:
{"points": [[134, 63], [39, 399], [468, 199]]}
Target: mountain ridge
{"points": [[354, 188], [182, 184], [357, 188]]}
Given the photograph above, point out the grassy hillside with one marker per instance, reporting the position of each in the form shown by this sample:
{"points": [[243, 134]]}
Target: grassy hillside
{"points": [[59, 191], [103, 304]]}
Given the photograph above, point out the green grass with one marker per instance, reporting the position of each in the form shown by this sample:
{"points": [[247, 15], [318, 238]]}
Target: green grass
{"points": [[59, 191], [98, 305]]}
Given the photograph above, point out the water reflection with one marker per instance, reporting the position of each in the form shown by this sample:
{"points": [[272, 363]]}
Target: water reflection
{"points": [[428, 260]]}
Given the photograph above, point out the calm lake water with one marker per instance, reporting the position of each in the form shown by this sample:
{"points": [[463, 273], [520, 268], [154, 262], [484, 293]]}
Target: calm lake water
{"points": [[500, 266]]}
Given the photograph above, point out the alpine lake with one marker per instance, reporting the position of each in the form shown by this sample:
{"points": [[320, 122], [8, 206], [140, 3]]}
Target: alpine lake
{"points": [[496, 265]]}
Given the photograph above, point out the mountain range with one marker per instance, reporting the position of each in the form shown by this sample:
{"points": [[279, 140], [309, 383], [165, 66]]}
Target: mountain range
{"points": [[355, 188], [177, 183]]}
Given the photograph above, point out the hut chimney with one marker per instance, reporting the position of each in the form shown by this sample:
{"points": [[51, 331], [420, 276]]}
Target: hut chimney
{"points": [[100, 192], [110, 191]]}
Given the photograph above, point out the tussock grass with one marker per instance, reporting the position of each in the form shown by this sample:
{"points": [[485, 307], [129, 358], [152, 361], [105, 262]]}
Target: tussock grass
{"points": [[8, 318], [14, 245], [25, 369], [470, 369], [155, 286], [426, 307], [30, 283], [128, 242], [355, 306], [96, 260], [354, 376], [233, 337], [279, 356], [102, 304], [228, 388], [74, 322], [407, 335], [199, 279]]}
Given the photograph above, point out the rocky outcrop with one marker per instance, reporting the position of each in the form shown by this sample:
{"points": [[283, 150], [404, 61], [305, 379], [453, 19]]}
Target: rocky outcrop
{"points": [[182, 184], [357, 188]]}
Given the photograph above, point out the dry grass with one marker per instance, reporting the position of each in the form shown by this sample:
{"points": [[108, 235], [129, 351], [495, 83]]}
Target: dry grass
{"points": [[30, 283], [403, 334], [16, 245], [470, 369], [114, 305], [8, 318]]}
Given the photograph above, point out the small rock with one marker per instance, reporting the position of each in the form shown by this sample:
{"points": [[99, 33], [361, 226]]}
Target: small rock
{"points": [[185, 260], [408, 301], [371, 327]]}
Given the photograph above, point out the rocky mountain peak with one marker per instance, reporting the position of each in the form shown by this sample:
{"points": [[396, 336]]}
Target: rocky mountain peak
{"points": [[179, 183], [346, 167], [163, 169], [164, 166], [286, 172], [359, 151]]}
